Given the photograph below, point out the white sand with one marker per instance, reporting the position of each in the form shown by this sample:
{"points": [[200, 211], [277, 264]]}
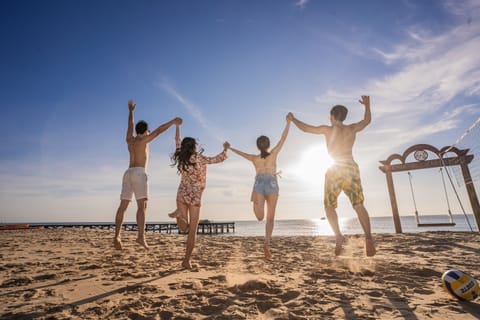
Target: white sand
{"points": [[76, 274]]}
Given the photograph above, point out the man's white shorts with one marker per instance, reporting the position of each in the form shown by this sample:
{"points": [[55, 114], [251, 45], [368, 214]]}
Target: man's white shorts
{"points": [[135, 181]]}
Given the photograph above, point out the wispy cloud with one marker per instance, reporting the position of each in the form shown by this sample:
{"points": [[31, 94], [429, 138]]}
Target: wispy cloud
{"points": [[192, 109], [432, 73], [301, 3]]}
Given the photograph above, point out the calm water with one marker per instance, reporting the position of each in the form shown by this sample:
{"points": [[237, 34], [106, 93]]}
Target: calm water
{"points": [[318, 227], [350, 226]]}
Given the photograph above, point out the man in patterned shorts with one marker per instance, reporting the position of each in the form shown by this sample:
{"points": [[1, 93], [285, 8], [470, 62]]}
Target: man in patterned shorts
{"points": [[344, 175]]}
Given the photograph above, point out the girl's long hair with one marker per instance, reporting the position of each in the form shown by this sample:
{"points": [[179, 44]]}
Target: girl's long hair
{"points": [[263, 143], [181, 157]]}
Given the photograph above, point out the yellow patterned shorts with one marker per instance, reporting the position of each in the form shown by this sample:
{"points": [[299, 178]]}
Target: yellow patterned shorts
{"points": [[346, 178]]}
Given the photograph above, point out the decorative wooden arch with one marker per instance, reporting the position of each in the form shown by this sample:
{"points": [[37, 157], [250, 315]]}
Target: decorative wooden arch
{"points": [[419, 150]]}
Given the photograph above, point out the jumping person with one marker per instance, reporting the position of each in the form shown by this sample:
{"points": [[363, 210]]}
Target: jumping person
{"points": [[344, 175], [192, 166], [265, 188], [135, 178]]}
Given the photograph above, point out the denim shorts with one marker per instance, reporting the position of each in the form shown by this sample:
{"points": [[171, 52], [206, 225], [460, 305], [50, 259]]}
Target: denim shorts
{"points": [[266, 184]]}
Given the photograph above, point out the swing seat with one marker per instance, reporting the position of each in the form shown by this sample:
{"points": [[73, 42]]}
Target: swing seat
{"points": [[435, 224], [439, 224]]}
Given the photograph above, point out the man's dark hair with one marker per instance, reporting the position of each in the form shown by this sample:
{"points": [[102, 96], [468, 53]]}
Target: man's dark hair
{"points": [[339, 112], [141, 127]]}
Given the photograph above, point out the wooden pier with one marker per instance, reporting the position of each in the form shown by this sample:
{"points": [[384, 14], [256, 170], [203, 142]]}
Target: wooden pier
{"points": [[203, 227]]}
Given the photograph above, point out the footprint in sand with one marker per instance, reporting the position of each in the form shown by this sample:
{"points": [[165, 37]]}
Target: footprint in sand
{"points": [[289, 295], [21, 281], [31, 294], [48, 276]]}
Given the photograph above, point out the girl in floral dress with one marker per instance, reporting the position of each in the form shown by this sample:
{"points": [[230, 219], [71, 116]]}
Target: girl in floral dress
{"points": [[192, 166]]}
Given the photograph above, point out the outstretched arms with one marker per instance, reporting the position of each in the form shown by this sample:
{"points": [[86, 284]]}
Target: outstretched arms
{"points": [[219, 157], [367, 118], [131, 108], [178, 139], [242, 154], [306, 127], [280, 143], [155, 133]]}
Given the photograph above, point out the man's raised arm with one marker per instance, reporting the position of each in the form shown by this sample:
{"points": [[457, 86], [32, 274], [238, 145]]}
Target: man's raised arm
{"points": [[367, 118], [155, 133], [306, 127], [131, 108]]}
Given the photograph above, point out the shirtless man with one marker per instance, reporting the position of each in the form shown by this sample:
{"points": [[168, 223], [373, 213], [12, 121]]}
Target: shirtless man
{"points": [[135, 179], [344, 174]]}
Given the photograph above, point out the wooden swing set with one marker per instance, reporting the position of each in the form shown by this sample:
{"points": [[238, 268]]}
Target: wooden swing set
{"points": [[420, 154]]}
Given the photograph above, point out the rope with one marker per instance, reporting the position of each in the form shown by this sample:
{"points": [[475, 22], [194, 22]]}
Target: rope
{"points": [[446, 195], [476, 123], [413, 196], [455, 190]]}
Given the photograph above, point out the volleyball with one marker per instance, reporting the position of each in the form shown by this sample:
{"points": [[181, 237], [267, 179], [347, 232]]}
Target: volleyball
{"points": [[461, 285]]}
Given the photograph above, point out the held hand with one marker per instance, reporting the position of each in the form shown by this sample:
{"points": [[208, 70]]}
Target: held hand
{"points": [[365, 101], [226, 145], [290, 116], [131, 105], [178, 121]]}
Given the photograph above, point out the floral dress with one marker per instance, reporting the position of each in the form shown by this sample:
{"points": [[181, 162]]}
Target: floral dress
{"points": [[194, 179]]}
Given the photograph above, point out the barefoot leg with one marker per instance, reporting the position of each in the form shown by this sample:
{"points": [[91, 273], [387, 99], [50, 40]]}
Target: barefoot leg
{"points": [[186, 264], [339, 245], [141, 217], [117, 243], [258, 205], [333, 221], [370, 247], [266, 251], [174, 214], [271, 200], [182, 217], [194, 213], [142, 242], [365, 223]]}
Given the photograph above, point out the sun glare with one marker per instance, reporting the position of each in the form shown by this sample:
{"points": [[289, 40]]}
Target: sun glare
{"points": [[313, 164]]}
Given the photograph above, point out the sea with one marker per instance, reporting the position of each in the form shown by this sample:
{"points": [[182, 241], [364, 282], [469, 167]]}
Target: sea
{"points": [[320, 227]]}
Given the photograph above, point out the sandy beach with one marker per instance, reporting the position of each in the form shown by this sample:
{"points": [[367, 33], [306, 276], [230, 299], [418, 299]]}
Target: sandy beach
{"points": [[76, 274]]}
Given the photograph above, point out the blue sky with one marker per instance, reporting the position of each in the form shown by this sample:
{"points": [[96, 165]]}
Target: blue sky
{"points": [[231, 70]]}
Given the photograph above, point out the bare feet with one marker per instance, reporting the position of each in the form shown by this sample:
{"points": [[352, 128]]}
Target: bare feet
{"points": [[339, 245], [186, 264], [266, 251], [182, 223], [142, 242], [117, 243], [370, 247], [173, 214]]}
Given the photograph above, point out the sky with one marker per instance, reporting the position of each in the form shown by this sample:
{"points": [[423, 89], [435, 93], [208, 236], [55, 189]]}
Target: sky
{"points": [[232, 70]]}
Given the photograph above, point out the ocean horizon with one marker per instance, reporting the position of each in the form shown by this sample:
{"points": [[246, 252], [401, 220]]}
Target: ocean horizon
{"points": [[321, 227]]}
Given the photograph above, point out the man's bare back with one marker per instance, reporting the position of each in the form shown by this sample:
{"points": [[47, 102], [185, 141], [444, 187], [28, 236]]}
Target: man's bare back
{"points": [[340, 139], [138, 145], [139, 151]]}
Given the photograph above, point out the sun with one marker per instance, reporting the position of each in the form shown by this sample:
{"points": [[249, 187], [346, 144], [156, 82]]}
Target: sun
{"points": [[313, 164]]}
